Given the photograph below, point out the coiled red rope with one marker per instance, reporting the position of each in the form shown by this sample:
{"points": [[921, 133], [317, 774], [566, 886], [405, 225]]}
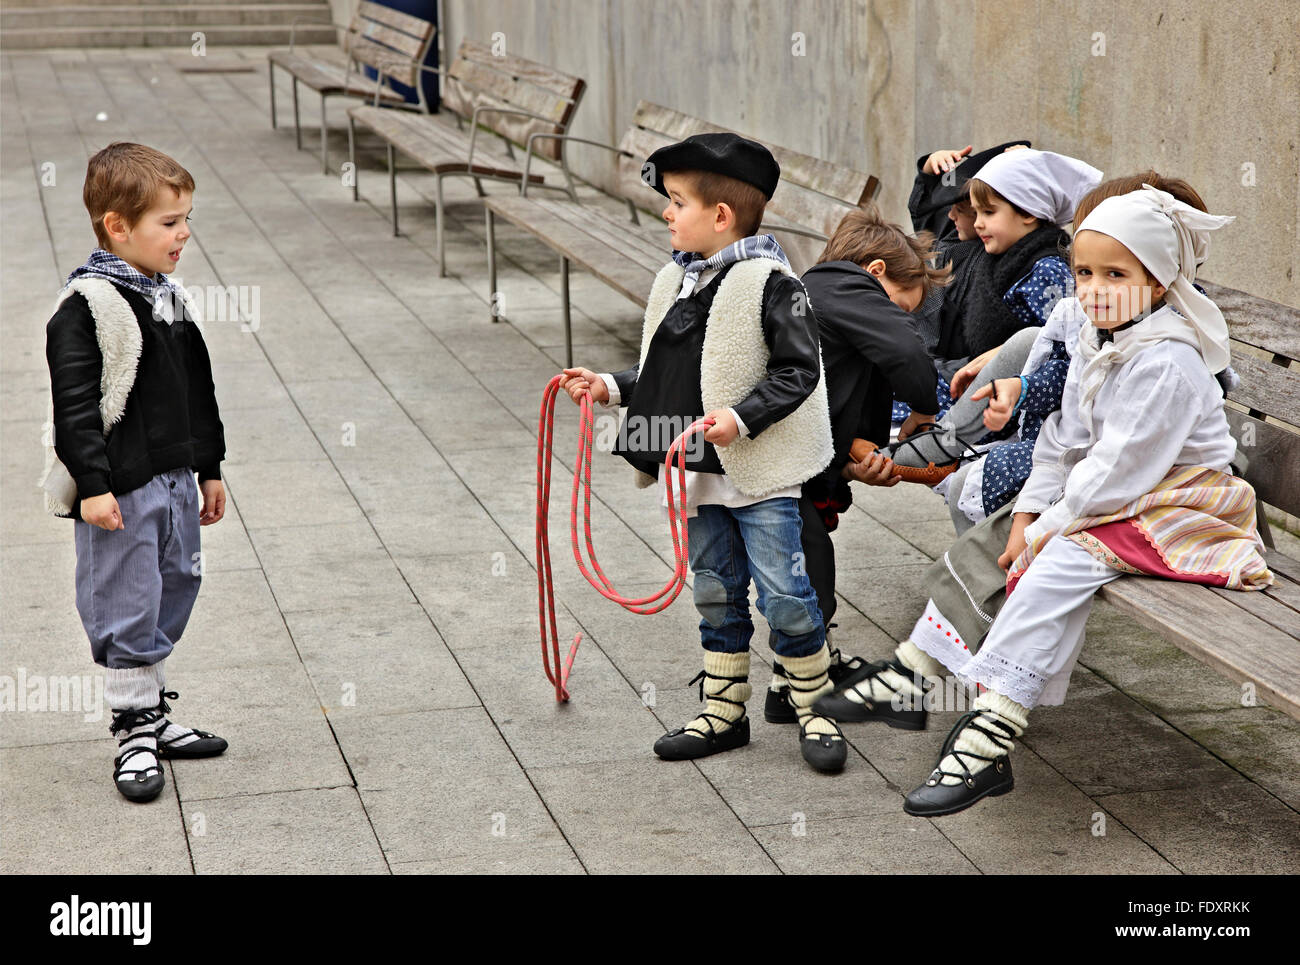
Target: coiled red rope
{"points": [[556, 673]]}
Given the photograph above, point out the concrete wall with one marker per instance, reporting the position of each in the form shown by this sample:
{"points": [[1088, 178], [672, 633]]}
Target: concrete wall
{"points": [[1206, 90]]}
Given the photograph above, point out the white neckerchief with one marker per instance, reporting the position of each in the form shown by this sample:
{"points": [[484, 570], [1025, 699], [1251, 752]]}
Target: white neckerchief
{"points": [[1163, 325]]}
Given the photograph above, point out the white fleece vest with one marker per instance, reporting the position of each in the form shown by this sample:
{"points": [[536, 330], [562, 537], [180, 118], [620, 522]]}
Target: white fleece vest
{"points": [[118, 333], [734, 361]]}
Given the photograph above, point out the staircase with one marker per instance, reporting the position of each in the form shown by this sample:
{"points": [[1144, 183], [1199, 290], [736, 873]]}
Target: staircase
{"points": [[161, 23]]}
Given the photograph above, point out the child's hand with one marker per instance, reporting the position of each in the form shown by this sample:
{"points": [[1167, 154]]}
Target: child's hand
{"points": [[214, 501], [1016, 541], [965, 375], [724, 430], [102, 511], [876, 470], [576, 381], [941, 161], [1003, 395]]}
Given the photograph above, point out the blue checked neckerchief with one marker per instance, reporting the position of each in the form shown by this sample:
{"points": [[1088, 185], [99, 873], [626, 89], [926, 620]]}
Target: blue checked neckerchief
{"points": [[755, 246], [160, 289]]}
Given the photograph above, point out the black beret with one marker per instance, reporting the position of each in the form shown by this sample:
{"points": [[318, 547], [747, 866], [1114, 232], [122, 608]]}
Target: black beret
{"points": [[948, 194], [730, 154]]}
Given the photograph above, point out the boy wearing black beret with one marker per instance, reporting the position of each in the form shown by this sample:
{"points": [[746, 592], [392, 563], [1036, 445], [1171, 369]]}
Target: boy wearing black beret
{"points": [[729, 334]]}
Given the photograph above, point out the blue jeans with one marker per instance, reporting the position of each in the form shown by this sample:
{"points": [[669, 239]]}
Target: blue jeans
{"points": [[727, 546]]}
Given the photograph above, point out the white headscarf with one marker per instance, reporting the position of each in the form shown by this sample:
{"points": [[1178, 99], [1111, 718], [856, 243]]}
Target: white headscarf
{"points": [[1170, 239], [1047, 185]]}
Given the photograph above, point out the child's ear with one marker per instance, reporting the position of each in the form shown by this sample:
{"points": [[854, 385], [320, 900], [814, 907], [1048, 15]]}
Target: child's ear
{"points": [[875, 268], [115, 226], [725, 218]]}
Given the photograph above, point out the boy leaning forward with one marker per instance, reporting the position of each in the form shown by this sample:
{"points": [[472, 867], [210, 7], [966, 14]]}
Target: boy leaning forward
{"points": [[729, 334]]}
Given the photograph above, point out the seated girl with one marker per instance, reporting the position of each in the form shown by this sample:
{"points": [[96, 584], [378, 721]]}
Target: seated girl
{"points": [[1132, 475]]}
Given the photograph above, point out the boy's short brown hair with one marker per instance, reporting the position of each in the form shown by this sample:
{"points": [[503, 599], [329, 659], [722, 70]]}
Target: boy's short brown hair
{"points": [[745, 200], [980, 193], [862, 236], [127, 178]]}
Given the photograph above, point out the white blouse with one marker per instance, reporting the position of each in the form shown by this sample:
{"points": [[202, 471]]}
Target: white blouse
{"points": [[1160, 409]]}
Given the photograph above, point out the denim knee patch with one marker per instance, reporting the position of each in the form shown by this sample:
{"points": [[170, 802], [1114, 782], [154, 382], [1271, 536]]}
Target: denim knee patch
{"points": [[789, 614], [710, 598]]}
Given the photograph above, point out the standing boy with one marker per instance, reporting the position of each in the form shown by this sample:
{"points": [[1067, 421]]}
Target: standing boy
{"points": [[134, 417], [729, 335]]}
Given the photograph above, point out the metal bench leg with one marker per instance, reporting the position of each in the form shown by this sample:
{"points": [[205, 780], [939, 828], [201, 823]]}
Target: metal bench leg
{"points": [[442, 255], [392, 187], [352, 152], [297, 129], [492, 263], [270, 72], [564, 303], [324, 140]]}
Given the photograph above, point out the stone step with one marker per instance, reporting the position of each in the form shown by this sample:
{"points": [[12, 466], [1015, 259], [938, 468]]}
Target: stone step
{"points": [[48, 4], [163, 36], [154, 15]]}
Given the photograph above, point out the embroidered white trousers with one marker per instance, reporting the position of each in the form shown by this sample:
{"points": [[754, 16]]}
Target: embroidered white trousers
{"points": [[1034, 643]]}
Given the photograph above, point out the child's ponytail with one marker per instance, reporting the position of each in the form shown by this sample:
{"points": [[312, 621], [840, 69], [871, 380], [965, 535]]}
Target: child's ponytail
{"points": [[864, 236]]}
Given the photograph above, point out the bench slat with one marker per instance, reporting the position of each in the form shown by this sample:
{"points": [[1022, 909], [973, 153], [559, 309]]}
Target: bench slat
{"points": [[618, 237], [1267, 387], [839, 182], [405, 22], [1258, 321], [564, 85], [1284, 565], [504, 90], [401, 67], [612, 267], [1274, 454], [418, 137], [326, 77], [398, 42], [1245, 648], [1273, 612]]}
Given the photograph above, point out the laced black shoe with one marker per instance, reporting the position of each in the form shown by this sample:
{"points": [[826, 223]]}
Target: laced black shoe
{"points": [[138, 784], [904, 711], [693, 741], [203, 745], [934, 798], [777, 706]]}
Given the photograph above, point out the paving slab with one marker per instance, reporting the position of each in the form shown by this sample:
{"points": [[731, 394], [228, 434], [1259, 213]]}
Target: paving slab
{"points": [[648, 817], [323, 831], [62, 815]]}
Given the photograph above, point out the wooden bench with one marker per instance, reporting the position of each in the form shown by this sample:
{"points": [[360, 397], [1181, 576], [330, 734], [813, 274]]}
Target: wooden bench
{"points": [[1250, 637], [810, 201], [516, 99], [388, 41]]}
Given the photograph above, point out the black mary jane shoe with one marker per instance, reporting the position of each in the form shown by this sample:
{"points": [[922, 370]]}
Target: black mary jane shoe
{"points": [[934, 798], [778, 708], [685, 744], [823, 752], [839, 707], [204, 744], [148, 782]]}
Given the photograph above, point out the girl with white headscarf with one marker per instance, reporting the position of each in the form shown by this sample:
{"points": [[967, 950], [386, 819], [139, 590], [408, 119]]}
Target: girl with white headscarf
{"points": [[1131, 475]]}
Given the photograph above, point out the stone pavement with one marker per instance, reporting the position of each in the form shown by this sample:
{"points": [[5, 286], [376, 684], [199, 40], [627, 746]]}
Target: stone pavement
{"points": [[366, 637]]}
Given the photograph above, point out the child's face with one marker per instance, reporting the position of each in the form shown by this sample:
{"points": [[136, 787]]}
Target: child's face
{"points": [[998, 225], [963, 216], [693, 225], [153, 244], [1110, 282], [908, 299]]}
